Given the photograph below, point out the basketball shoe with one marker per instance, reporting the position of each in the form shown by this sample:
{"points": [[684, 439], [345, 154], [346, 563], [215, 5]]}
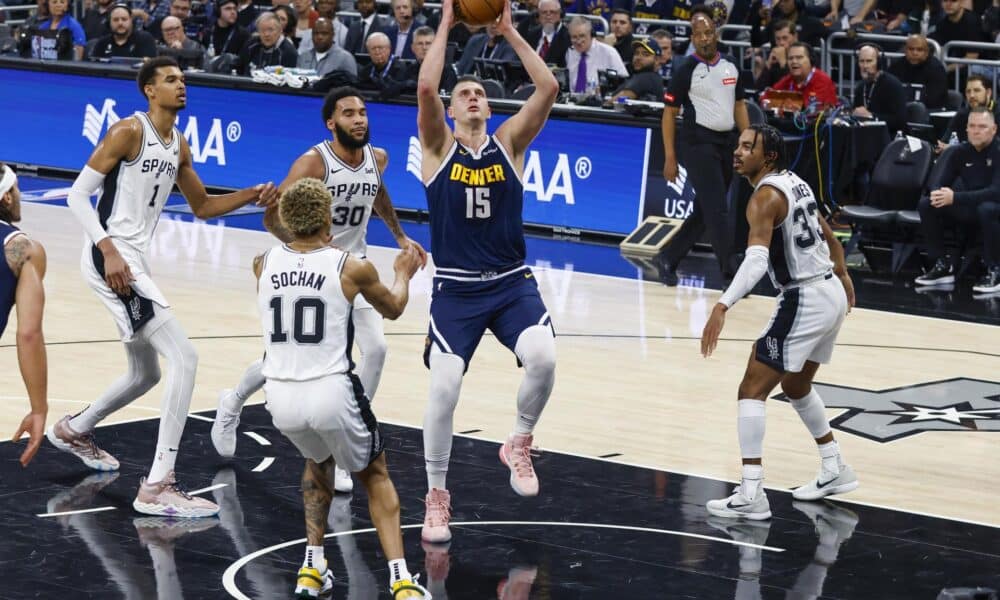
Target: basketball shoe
{"points": [[437, 516], [81, 445], [342, 481], [827, 484], [165, 498], [313, 583], [225, 424], [409, 589], [515, 453], [739, 506]]}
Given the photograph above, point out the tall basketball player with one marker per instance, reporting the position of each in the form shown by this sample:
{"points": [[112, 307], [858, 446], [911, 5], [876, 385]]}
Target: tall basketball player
{"points": [[137, 164], [351, 168], [475, 197], [21, 274], [305, 293], [790, 241]]}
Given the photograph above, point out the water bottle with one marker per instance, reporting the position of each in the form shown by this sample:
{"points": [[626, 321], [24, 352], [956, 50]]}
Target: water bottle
{"points": [[592, 89], [953, 140]]}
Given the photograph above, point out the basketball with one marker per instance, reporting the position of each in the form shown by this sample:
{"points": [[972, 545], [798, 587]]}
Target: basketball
{"points": [[476, 13]]}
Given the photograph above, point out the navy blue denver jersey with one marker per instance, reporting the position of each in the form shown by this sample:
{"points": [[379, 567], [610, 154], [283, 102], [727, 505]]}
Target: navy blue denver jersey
{"points": [[8, 282], [475, 203]]}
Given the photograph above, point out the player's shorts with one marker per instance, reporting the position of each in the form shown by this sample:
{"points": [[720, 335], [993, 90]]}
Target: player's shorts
{"points": [[804, 326], [133, 312], [465, 304], [328, 416]]}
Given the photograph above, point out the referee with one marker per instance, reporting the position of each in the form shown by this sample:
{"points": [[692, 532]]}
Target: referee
{"points": [[709, 86]]}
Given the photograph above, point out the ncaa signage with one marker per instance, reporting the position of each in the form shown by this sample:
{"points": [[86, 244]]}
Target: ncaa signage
{"points": [[576, 175]]}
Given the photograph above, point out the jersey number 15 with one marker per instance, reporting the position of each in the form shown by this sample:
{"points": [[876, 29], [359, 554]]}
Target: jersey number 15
{"points": [[477, 203]]}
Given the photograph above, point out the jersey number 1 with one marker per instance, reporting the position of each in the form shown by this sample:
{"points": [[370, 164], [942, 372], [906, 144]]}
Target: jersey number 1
{"points": [[302, 335], [477, 203]]}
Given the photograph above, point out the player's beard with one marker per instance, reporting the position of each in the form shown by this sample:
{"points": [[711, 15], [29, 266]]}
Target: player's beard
{"points": [[345, 138]]}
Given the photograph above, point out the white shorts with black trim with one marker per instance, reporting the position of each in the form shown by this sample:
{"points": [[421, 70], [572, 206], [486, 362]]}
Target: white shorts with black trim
{"points": [[804, 326]]}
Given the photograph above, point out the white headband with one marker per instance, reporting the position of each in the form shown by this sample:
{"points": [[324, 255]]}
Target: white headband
{"points": [[8, 180]]}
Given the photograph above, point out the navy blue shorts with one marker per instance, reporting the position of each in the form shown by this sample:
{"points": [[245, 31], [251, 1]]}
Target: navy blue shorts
{"points": [[462, 311]]}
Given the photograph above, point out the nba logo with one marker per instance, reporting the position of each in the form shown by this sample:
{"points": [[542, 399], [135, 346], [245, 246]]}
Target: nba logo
{"points": [[302, 263], [773, 350]]}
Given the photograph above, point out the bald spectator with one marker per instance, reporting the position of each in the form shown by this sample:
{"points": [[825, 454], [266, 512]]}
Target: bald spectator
{"points": [[124, 41], [180, 9], [587, 57], [225, 35], [645, 83], [188, 53], [920, 68], [271, 49], [621, 37], [879, 95], [550, 38], [385, 75], [324, 56]]}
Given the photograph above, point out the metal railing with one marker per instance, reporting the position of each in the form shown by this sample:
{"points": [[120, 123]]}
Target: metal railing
{"points": [[991, 65], [831, 51], [19, 8]]}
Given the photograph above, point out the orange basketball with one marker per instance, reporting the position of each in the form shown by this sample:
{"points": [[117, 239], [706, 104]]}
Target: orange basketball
{"points": [[476, 13]]}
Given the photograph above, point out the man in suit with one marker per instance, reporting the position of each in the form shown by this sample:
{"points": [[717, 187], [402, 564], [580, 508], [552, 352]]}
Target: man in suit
{"points": [[487, 44], [401, 33], [369, 23], [550, 39]]}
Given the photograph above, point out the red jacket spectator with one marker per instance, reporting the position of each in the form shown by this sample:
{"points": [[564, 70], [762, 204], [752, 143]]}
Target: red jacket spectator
{"points": [[816, 84]]}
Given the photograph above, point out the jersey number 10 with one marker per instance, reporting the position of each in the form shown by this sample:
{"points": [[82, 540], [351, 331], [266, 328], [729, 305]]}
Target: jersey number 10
{"points": [[302, 334], [477, 203]]}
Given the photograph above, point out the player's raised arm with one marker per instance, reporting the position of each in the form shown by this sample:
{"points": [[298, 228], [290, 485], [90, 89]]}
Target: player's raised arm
{"points": [[29, 299], [361, 275], [435, 136], [383, 206], [310, 164], [518, 131], [205, 206]]}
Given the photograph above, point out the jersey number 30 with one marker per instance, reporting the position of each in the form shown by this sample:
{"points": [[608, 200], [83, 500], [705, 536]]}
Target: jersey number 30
{"points": [[477, 203], [312, 308], [348, 215]]}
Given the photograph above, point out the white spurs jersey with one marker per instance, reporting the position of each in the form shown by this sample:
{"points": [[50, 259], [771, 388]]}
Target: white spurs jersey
{"points": [[303, 313], [798, 250], [135, 191], [354, 190]]}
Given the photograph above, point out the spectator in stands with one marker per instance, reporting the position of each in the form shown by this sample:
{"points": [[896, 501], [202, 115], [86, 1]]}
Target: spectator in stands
{"points": [[817, 89], [97, 19], [958, 24], [385, 75], [526, 23], [41, 13], [487, 44], [178, 8], [305, 17], [920, 68], [966, 200], [124, 40], [978, 94], [422, 39], [246, 14], [324, 56], [879, 95], [652, 9], [150, 11], [225, 35], [188, 53], [59, 18], [369, 23], [645, 83], [621, 37], [764, 26], [857, 11], [401, 33], [423, 15], [777, 64], [328, 10], [271, 49], [587, 57], [550, 38], [665, 61], [893, 14], [289, 24]]}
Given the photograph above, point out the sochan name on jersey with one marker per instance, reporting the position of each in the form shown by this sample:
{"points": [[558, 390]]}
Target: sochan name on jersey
{"points": [[96, 122]]}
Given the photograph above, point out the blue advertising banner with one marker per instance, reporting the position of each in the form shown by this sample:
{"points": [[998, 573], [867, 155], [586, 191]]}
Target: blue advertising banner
{"points": [[577, 175]]}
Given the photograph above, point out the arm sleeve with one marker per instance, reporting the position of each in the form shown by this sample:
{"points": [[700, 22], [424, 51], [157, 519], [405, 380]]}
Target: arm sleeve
{"points": [[752, 268], [86, 185]]}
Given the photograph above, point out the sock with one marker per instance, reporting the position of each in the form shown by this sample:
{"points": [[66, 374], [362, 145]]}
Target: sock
{"points": [[750, 426], [437, 479], [250, 384], [753, 476], [163, 463], [536, 349], [314, 558], [397, 570], [829, 454], [812, 412]]}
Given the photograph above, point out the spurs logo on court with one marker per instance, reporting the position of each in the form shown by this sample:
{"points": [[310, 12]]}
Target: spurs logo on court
{"points": [[94, 120], [958, 404], [134, 308], [773, 348]]}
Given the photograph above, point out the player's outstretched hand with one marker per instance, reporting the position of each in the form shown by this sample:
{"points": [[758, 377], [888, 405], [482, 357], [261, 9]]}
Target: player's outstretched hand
{"points": [[408, 243], [407, 262], [447, 13], [845, 280], [34, 425], [506, 23], [267, 194], [713, 328]]}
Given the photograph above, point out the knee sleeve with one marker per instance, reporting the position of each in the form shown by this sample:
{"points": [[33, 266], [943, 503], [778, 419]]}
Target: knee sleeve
{"points": [[536, 349]]}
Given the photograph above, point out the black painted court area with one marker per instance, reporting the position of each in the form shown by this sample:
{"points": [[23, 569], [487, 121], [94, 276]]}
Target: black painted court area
{"points": [[816, 550]]}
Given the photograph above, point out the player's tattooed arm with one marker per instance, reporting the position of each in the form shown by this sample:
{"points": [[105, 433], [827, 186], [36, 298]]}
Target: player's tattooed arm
{"points": [[317, 494], [18, 252]]}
